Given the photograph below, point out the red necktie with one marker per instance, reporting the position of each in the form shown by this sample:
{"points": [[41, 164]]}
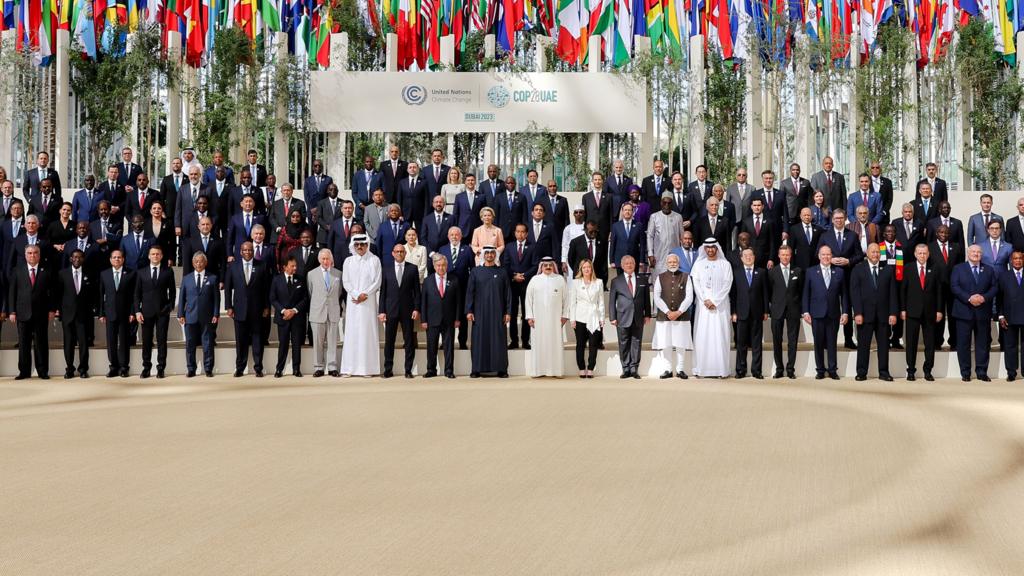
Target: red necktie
{"points": [[921, 273], [865, 198], [440, 287], [32, 276], [629, 283], [142, 200], [520, 251], [757, 226], [945, 255], [590, 248], [346, 228]]}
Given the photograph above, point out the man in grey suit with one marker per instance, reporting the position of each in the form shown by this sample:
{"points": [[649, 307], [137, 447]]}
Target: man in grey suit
{"points": [[739, 194], [977, 226], [628, 303], [324, 284], [798, 193], [831, 184], [374, 214]]}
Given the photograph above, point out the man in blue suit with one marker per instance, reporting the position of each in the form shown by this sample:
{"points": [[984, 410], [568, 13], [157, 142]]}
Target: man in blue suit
{"points": [[531, 191], [626, 239], [866, 196], [412, 196], [435, 174], [42, 171], [198, 312], [974, 288], [846, 254], [1010, 306], [875, 306], [460, 261], [826, 305], [392, 231], [520, 260], [434, 230], [364, 182], [468, 205], [315, 188], [995, 252], [240, 227], [977, 225], [85, 203], [210, 175], [135, 245]]}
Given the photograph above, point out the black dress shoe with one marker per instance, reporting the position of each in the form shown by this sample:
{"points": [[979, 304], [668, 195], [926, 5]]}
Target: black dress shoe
{"points": [[758, 376], [20, 377], [834, 376], [681, 375], [259, 373], [929, 377], [984, 378], [860, 378], [910, 378], [965, 378], [636, 375], [160, 373], [850, 346], [502, 374], [1011, 377], [819, 376], [112, 373], [462, 346], [429, 374], [238, 374], [145, 374], [387, 374], [408, 374], [513, 346], [278, 374], [69, 375], [740, 375], [791, 375], [885, 378], [474, 374], [190, 373], [778, 374], [320, 373], [449, 375], [124, 373], [624, 375], [896, 346], [297, 373], [334, 373], [83, 374], [209, 373], [44, 376], [666, 374], [527, 347]]}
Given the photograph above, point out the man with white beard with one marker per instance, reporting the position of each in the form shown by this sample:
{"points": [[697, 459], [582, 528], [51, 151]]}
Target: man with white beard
{"points": [[547, 310], [673, 294], [711, 277], [361, 278]]}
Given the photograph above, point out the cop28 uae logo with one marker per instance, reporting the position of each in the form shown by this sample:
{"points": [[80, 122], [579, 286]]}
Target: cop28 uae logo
{"points": [[498, 96], [414, 95]]}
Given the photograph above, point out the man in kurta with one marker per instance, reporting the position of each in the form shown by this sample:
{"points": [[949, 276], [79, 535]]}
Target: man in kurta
{"points": [[673, 294], [547, 310], [711, 277], [361, 276], [664, 234], [488, 307]]}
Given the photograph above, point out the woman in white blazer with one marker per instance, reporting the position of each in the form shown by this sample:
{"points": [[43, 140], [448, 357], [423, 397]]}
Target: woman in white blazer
{"points": [[416, 253], [587, 314]]}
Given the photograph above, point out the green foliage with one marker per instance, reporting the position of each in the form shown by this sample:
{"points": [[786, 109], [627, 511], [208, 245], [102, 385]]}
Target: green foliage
{"points": [[105, 87], [995, 94], [24, 84], [882, 100], [667, 84], [724, 116], [366, 49]]}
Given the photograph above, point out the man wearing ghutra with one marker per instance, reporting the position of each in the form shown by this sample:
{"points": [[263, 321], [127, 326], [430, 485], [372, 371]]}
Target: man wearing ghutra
{"points": [[711, 277], [361, 277], [488, 307], [547, 310]]}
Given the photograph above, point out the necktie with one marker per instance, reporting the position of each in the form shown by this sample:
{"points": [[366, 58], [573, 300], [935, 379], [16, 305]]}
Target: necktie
{"points": [[248, 272], [511, 198], [455, 254], [926, 207], [437, 173], [629, 284], [438, 224], [142, 199], [440, 286], [750, 277], [826, 275], [945, 254], [619, 179], [46, 200], [32, 276], [206, 242], [347, 225], [1018, 278], [995, 250], [81, 244], [865, 198], [986, 221], [177, 182], [154, 274], [807, 231], [288, 279], [627, 229], [757, 225], [199, 280], [909, 229], [657, 185], [839, 237], [554, 200], [7, 205], [138, 242], [103, 229], [78, 283], [590, 249], [396, 230], [874, 276], [195, 194], [305, 254], [258, 251], [398, 273], [768, 196], [975, 270], [679, 199], [117, 279], [520, 251], [920, 272], [248, 224], [828, 178], [785, 275], [220, 187]]}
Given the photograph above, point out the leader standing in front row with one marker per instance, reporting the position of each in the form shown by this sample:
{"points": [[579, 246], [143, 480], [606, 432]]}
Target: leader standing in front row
{"points": [[198, 312], [875, 304], [974, 287], [826, 305], [629, 309], [488, 307], [440, 315], [921, 310]]}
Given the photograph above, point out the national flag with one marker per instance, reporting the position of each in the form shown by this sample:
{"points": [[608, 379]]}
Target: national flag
{"points": [[568, 47], [84, 29], [196, 22], [320, 48], [622, 50], [270, 12], [674, 14], [510, 22], [655, 24]]}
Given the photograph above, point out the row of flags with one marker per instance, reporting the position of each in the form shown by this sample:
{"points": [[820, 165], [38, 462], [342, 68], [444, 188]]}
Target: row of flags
{"points": [[575, 24]]}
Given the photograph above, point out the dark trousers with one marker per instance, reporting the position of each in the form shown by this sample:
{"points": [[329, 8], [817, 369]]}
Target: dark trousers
{"points": [[629, 345], [1011, 345], [76, 335], [463, 323], [194, 333], [981, 331], [247, 335], [879, 330], [848, 329], [940, 329], [792, 326], [446, 334], [265, 330], [519, 316], [290, 334], [926, 329], [585, 338], [155, 327], [32, 336], [408, 338], [897, 331], [117, 343], [826, 333], [749, 336]]}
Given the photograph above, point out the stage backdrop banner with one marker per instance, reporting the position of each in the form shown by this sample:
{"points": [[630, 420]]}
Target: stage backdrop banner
{"points": [[476, 102]]}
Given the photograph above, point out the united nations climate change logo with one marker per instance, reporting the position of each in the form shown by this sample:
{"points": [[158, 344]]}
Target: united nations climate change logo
{"points": [[414, 95], [498, 96]]}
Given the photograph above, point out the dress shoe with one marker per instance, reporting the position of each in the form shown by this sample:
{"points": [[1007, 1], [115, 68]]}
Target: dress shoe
{"points": [[758, 376], [778, 374], [83, 374], [69, 375], [44, 376], [111, 373], [850, 346], [984, 378], [860, 378], [600, 345], [20, 377], [259, 373], [791, 375], [278, 374], [740, 375], [238, 374], [666, 374], [334, 373], [320, 373], [527, 347], [819, 376], [896, 346], [502, 374], [297, 373], [408, 374], [124, 373], [462, 346], [145, 374], [160, 373], [681, 375], [834, 376], [1011, 377], [209, 373], [910, 378], [429, 374], [885, 378], [513, 345], [449, 375], [387, 374], [965, 378], [474, 374], [624, 375], [636, 375], [929, 377], [190, 373]]}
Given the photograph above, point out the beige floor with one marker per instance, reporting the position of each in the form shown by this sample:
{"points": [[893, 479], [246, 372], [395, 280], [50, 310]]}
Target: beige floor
{"points": [[483, 477]]}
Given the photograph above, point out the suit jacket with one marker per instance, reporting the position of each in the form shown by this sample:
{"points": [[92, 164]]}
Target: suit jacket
{"points": [[527, 265], [239, 192], [169, 194], [154, 299], [578, 251], [920, 303], [128, 174], [956, 230], [885, 191], [285, 296], [326, 216], [190, 227], [436, 311], [91, 253], [797, 195], [876, 209], [50, 214], [871, 233], [849, 250], [338, 241], [622, 245], [80, 306], [134, 256], [414, 199], [85, 204], [216, 254], [765, 245], [183, 205], [531, 197], [210, 174], [266, 257], [248, 301], [652, 189], [399, 302], [506, 217], [115, 195], [777, 213], [695, 188], [433, 236], [389, 177], [741, 199], [265, 200], [964, 285], [559, 217], [30, 186], [311, 193], [1010, 297], [31, 301], [259, 177], [619, 192], [462, 265], [46, 251], [10, 201], [940, 191], [784, 298], [835, 194], [434, 184], [825, 302], [199, 304], [874, 300], [373, 218], [306, 265], [279, 215], [603, 213], [112, 232], [690, 208], [547, 243], [467, 218], [918, 234], [1002, 257], [955, 255], [625, 308], [132, 208], [237, 233], [749, 302], [220, 207], [386, 240], [723, 231], [324, 302], [362, 188], [1014, 234], [920, 214], [117, 302]]}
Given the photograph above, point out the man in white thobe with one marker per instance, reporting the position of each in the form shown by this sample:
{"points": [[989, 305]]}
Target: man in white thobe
{"points": [[673, 294], [664, 234], [575, 228], [547, 310], [711, 277], [360, 355]]}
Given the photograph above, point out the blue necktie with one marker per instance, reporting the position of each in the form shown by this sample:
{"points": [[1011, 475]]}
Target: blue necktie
{"points": [[975, 269], [248, 224], [750, 277]]}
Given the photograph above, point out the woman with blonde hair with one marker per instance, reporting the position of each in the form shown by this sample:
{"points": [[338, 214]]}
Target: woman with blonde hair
{"points": [[587, 313], [453, 187], [487, 234]]}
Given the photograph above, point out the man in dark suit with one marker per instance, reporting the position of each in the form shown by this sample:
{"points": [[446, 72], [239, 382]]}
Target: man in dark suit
{"points": [[492, 185], [32, 236], [940, 190], [826, 305], [1010, 306], [628, 239], [955, 225], [804, 238], [127, 170], [597, 206], [797, 191], [460, 261], [341, 232], [509, 209], [785, 289], [135, 245], [392, 231], [12, 227], [281, 210], [436, 224], [556, 213], [702, 186], [617, 186], [208, 244], [117, 291], [33, 305], [220, 202], [761, 229], [977, 224], [883, 186], [655, 184], [154, 300], [256, 170], [831, 183], [1014, 233], [875, 307], [846, 254], [865, 196], [974, 288], [113, 193], [435, 174], [202, 210], [141, 198], [716, 220], [305, 253], [587, 246], [392, 170], [440, 316], [7, 197], [105, 233], [399, 306], [468, 205], [774, 203], [921, 306], [925, 206], [198, 312], [541, 233], [748, 301], [77, 304], [686, 202], [240, 227], [244, 189], [531, 191], [246, 287], [413, 196], [42, 171], [943, 256], [909, 230], [290, 300], [520, 260], [45, 204], [364, 181], [629, 309], [83, 203], [188, 194]]}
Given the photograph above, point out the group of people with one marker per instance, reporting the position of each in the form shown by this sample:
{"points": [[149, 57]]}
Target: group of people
{"points": [[707, 262]]}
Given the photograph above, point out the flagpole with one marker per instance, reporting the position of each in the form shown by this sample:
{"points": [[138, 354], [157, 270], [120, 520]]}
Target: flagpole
{"points": [[642, 49], [173, 98], [490, 147], [911, 135], [62, 152], [695, 154], [281, 149], [337, 142]]}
